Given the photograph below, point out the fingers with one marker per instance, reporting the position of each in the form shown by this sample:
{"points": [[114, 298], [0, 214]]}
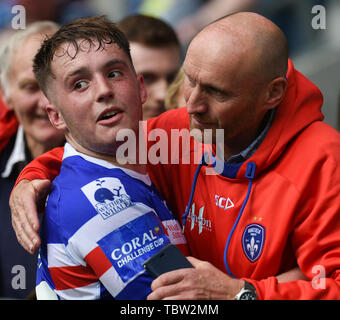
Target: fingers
{"points": [[24, 212], [168, 278], [23, 233], [166, 286]]}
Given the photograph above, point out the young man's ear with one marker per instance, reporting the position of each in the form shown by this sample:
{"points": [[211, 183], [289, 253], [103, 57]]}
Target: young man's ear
{"points": [[55, 117], [276, 92]]}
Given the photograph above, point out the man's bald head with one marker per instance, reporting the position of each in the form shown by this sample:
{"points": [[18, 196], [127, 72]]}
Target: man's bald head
{"points": [[252, 40]]}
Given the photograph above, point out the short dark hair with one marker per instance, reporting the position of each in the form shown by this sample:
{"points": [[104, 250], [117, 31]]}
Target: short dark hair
{"points": [[96, 30], [149, 31]]}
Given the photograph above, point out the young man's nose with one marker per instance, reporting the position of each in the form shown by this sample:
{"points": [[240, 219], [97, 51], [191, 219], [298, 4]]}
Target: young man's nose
{"points": [[104, 90]]}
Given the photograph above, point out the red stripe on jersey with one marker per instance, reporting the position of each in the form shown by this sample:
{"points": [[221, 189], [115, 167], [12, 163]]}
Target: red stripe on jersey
{"points": [[98, 261], [72, 277]]}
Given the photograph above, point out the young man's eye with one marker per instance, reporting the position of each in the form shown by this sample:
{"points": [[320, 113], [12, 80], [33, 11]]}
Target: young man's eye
{"points": [[80, 85], [114, 74]]}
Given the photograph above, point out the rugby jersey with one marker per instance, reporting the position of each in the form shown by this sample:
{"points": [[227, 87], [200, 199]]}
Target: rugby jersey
{"points": [[101, 223]]}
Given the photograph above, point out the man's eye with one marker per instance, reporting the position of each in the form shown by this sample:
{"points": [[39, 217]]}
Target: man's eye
{"points": [[215, 92], [30, 87], [114, 74], [149, 78], [190, 81], [80, 85]]}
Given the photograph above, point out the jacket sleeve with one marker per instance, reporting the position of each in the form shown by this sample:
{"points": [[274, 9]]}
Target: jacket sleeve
{"points": [[46, 166], [315, 236]]}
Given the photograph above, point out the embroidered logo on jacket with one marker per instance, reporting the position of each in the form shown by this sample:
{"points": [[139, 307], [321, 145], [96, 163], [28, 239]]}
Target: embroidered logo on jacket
{"points": [[107, 195], [252, 241]]}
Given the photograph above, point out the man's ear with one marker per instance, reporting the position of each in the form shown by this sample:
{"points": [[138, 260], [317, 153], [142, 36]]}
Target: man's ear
{"points": [[276, 91], [55, 117], [142, 90]]}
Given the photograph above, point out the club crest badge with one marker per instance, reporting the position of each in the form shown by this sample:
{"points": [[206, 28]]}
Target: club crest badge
{"points": [[107, 195], [252, 241]]}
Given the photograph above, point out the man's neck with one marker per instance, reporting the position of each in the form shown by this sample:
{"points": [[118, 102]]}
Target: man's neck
{"points": [[37, 148], [244, 140]]}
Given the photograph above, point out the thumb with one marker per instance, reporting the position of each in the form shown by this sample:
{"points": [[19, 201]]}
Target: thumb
{"points": [[194, 261]]}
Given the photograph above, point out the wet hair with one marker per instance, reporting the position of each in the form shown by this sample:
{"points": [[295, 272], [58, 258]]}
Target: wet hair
{"points": [[97, 31]]}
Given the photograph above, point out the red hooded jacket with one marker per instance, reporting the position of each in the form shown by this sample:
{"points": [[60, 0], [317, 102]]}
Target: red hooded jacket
{"points": [[282, 208]]}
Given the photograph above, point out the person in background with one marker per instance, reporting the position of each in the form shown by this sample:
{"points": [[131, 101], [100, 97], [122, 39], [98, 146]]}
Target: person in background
{"points": [[34, 136], [8, 125], [175, 96], [156, 55]]}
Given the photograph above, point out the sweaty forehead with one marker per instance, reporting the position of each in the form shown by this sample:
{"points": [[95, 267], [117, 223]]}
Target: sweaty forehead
{"points": [[70, 54]]}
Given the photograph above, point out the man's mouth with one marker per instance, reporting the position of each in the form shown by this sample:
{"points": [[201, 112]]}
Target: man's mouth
{"points": [[202, 124], [108, 114]]}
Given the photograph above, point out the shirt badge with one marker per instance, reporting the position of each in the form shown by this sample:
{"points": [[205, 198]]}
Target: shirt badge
{"points": [[252, 241]]}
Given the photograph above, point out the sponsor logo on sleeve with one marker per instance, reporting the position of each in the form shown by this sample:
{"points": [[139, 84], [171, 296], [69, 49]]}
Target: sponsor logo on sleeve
{"points": [[174, 231], [129, 246]]}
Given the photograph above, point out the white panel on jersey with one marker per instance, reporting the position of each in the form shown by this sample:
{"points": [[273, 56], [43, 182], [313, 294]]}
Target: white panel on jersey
{"points": [[90, 292]]}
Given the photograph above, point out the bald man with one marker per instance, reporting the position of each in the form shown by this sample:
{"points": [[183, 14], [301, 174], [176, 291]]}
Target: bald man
{"points": [[275, 204]]}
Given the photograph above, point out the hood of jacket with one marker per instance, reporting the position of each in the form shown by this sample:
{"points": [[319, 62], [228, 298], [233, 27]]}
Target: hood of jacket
{"points": [[299, 109]]}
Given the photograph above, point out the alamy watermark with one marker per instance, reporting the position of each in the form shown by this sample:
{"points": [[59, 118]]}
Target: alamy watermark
{"points": [[319, 19], [19, 278], [19, 19], [319, 281], [175, 146]]}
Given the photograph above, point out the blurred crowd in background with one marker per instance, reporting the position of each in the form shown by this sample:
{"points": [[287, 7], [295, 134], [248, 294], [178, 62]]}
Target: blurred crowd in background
{"points": [[314, 52]]}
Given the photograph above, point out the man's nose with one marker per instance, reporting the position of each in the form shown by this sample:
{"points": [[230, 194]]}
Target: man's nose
{"points": [[196, 102], [104, 90], [159, 90], [42, 101]]}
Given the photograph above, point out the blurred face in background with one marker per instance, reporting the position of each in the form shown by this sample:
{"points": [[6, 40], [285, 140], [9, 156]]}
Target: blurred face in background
{"points": [[26, 98], [158, 66]]}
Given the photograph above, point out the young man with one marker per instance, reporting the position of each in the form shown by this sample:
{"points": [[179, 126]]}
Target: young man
{"points": [[156, 55], [276, 204], [103, 220]]}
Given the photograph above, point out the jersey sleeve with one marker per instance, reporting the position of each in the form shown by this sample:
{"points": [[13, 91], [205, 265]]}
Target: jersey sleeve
{"points": [[46, 166]]}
